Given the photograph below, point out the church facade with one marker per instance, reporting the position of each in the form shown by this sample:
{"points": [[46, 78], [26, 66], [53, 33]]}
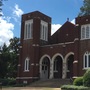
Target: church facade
{"points": [[65, 54]]}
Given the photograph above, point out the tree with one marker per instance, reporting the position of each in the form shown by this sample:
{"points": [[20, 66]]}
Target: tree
{"points": [[86, 78], [85, 9], [14, 52], [14, 44], [9, 59], [4, 59], [1, 4]]}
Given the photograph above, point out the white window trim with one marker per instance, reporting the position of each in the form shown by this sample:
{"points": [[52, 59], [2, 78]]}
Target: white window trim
{"points": [[85, 37], [87, 61], [27, 23], [26, 65], [44, 31]]}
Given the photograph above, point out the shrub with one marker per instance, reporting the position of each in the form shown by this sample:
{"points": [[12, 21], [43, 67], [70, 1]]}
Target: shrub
{"points": [[6, 82], [78, 81], [19, 85], [12, 82], [86, 78], [72, 87]]}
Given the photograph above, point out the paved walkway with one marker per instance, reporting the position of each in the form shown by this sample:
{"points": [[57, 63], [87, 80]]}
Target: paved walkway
{"points": [[30, 88]]}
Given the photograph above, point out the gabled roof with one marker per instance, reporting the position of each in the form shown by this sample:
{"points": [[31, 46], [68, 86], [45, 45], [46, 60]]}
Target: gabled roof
{"points": [[65, 33], [67, 23]]}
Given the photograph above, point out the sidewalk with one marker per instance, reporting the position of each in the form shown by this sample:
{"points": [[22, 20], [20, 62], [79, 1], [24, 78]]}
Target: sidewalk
{"points": [[30, 88]]}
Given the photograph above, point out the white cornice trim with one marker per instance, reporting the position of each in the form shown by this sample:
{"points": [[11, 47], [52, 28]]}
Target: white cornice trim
{"points": [[76, 39], [27, 77], [75, 61], [74, 77]]}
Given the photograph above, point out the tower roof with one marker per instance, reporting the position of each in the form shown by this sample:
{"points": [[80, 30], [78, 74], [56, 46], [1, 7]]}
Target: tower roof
{"points": [[36, 14]]}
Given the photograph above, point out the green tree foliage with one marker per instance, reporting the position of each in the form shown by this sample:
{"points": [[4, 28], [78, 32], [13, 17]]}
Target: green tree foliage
{"points": [[4, 56], [14, 52], [1, 4], [78, 81], [14, 44], [9, 59], [86, 78], [85, 9]]}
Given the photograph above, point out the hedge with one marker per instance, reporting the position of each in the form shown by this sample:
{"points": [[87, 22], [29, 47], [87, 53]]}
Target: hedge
{"points": [[72, 87], [78, 81], [86, 78], [6, 82]]}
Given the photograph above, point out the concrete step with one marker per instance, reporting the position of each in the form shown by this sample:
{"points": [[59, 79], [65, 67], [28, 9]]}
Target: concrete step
{"points": [[56, 83]]}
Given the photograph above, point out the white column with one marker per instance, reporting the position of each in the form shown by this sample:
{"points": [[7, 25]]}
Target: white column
{"points": [[51, 70], [40, 70], [64, 71]]}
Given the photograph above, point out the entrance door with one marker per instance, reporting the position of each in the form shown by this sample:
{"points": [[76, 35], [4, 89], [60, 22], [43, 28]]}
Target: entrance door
{"points": [[44, 72], [45, 69], [70, 66], [58, 67]]}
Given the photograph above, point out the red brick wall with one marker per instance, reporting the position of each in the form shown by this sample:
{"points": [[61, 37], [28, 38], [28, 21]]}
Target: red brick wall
{"points": [[64, 41]]}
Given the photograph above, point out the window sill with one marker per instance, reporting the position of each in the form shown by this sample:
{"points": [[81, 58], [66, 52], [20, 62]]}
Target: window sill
{"points": [[55, 71], [86, 68], [27, 38], [85, 39], [26, 71], [43, 39]]}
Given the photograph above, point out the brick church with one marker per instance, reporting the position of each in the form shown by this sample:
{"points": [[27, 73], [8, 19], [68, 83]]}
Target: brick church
{"points": [[65, 54]]}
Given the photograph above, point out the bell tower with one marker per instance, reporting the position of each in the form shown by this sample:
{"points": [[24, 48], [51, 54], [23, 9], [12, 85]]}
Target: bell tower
{"points": [[36, 27], [35, 32]]}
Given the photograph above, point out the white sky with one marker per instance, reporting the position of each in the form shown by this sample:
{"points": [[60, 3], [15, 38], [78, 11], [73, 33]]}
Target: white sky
{"points": [[6, 27]]}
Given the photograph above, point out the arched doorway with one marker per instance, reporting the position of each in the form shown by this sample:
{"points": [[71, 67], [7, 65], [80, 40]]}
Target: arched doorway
{"points": [[45, 68], [57, 67], [70, 60]]}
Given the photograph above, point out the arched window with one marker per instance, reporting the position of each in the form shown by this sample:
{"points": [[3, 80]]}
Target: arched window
{"points": [[26, 64], [85, 31], [86, 60], [28, 31], [25, 33], [44, 31]]}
